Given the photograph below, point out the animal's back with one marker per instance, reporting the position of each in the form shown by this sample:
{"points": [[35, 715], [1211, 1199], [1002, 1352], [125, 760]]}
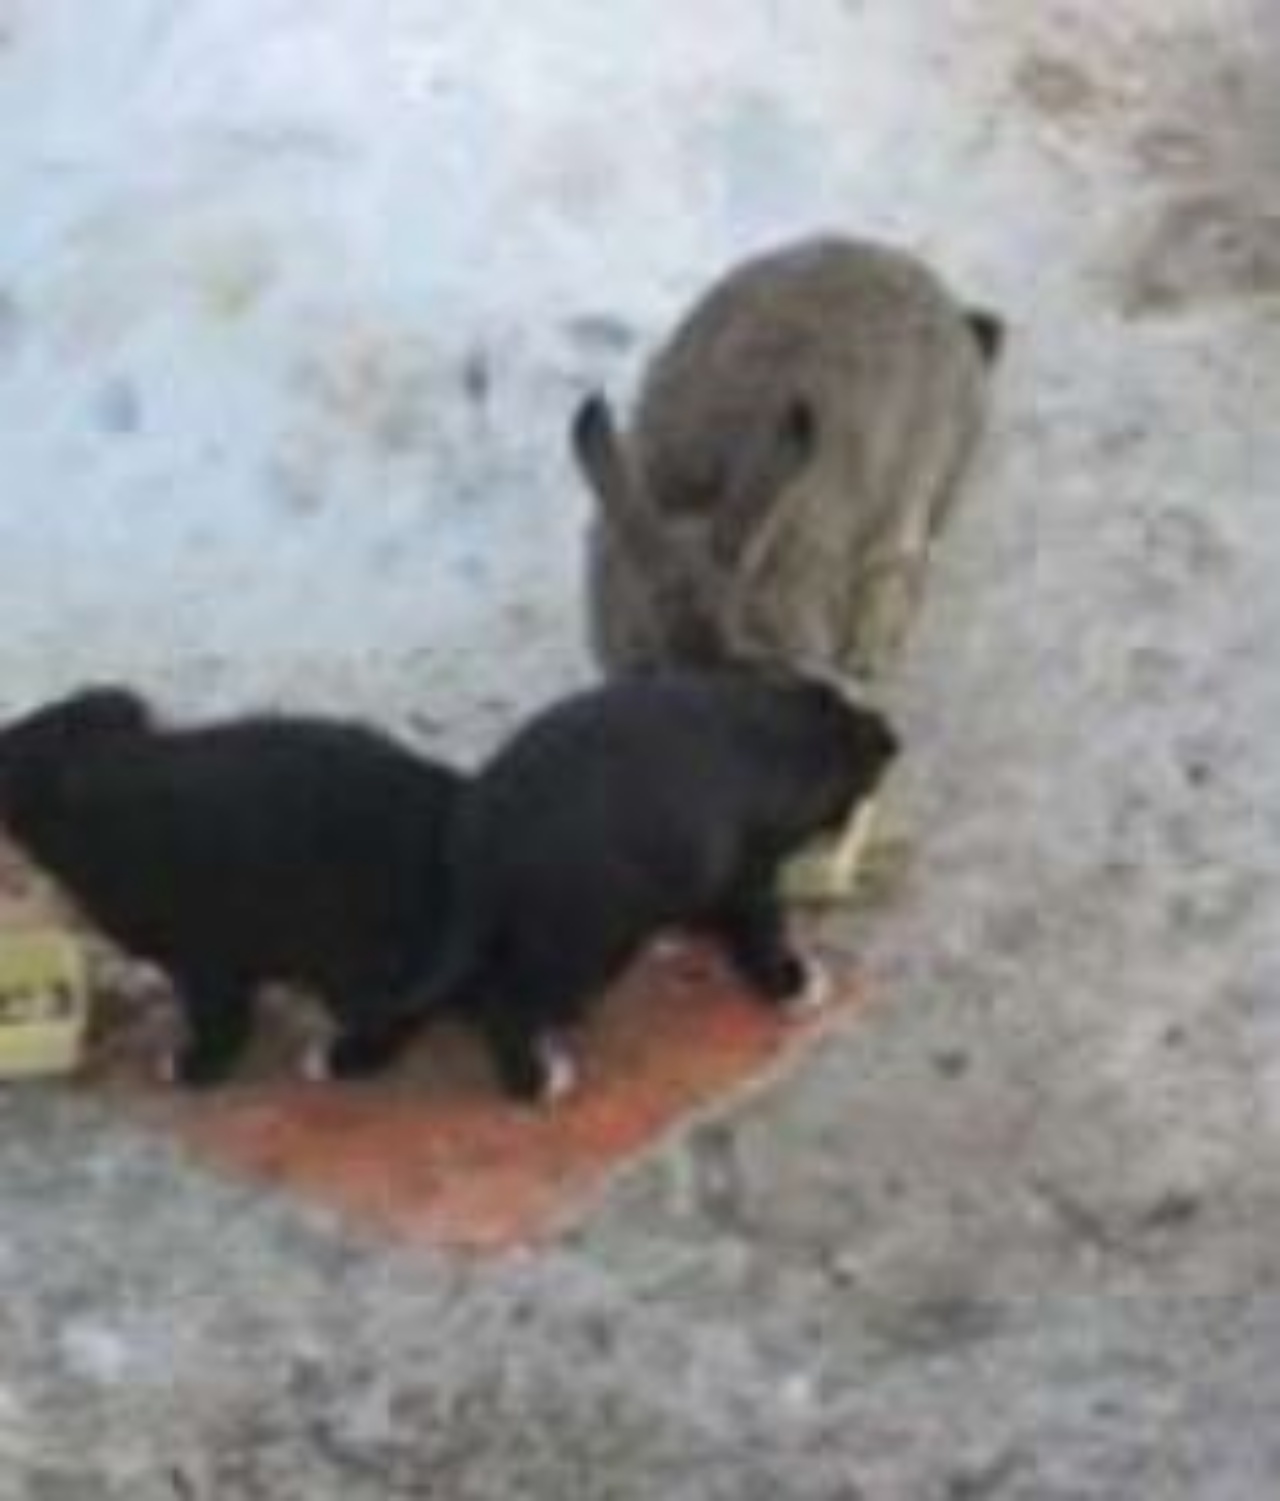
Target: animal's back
{"points": [[293, 846], [646, 787], [797, 445], [659, 800], [588, 828], [621, 752], [865, 333]]}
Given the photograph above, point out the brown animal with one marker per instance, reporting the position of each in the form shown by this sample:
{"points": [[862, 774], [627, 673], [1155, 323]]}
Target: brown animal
{"points": [[795, 449]]}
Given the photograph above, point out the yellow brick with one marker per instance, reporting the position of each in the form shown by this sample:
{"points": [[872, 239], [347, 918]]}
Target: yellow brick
{"points": [[44, 1003]]}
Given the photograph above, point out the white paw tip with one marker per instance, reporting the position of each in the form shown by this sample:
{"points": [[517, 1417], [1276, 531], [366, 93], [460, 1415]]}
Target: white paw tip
{"points": [[315, 1064], [561, 1074]]}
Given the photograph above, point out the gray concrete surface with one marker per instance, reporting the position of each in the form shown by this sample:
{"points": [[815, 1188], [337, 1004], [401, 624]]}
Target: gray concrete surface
{"points": [[1014, 1238]]}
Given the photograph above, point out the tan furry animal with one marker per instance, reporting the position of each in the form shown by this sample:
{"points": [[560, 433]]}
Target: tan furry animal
{"points": [[795, 448]]}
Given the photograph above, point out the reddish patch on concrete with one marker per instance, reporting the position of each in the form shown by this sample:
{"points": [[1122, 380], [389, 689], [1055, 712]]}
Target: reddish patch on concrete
{"points": [[432, 1152]]}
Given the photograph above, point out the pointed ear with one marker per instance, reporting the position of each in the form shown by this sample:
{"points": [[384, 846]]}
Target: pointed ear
{"points": [[593, 439], [767, 465], [607, 468], [664, 569]]}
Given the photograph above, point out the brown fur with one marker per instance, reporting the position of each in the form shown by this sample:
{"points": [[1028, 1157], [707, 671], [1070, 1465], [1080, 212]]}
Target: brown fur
{"points": [[795, 448]]}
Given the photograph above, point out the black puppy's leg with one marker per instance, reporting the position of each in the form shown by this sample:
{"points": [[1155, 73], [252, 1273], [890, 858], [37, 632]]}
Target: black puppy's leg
{"points": [[364, 1048], [218, 1010], [752, 926], [531, 1066], [517, 1059]]}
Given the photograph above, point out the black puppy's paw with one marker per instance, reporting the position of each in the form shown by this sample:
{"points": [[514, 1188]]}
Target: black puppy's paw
{"points": [[540, 1073], [559, 1072], [316, 1066], [775, 973], [796, 986], [784, 978], [814, 991]]}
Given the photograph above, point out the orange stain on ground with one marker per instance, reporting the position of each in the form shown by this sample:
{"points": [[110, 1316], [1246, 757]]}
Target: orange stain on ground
{"points": [[432, 1152]]}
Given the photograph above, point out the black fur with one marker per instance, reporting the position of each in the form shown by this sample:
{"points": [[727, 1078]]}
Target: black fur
{"points": [[256, 850], [654, 802]]}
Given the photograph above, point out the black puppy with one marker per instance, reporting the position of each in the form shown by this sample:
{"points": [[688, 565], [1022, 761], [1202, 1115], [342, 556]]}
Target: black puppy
{"points": [[668, 800], [255, 850]]}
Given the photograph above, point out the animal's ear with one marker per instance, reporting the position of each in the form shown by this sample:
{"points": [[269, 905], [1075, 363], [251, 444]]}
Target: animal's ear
{"points": [[989, 330], [678, 590], [593, 438], [779, 451], [624, 505], [798, 431]]}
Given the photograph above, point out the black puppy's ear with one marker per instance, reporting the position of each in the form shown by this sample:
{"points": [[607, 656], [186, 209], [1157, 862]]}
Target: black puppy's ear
{"points": [[989, 330]]}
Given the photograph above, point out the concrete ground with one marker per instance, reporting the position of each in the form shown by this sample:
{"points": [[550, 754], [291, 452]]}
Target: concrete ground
{"points": [[1014, 1235]]}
